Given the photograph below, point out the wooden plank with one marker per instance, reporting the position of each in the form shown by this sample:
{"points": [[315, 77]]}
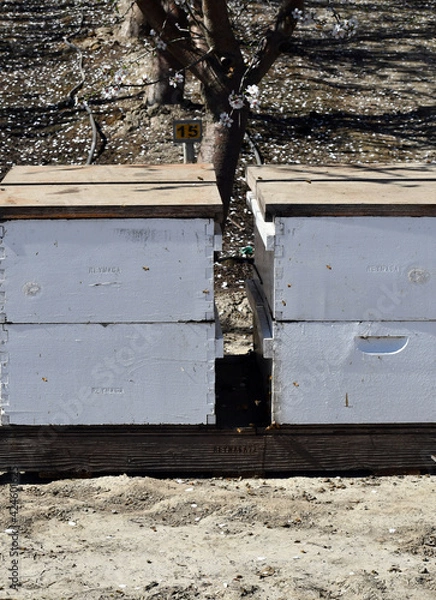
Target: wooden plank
{"points": [[361, 172], [347, 199], [373, 190], [110, 200], [389, 448], [209, 450], [105, 174]]}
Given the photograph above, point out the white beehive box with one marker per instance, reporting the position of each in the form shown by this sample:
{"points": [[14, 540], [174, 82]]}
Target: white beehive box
{"points": [[94, 259], [345, 372], [70, 256], [346, 244], [144, 373], [344, 311], [108, 270]]}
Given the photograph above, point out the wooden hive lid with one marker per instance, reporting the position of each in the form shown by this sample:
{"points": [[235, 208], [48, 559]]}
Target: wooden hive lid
{"points": [[363, 190], [105, 191]]}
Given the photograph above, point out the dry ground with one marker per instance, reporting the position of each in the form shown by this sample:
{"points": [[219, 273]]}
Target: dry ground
{"points": [[298, 538]]}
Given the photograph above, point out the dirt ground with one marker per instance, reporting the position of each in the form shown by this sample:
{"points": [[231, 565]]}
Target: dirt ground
{"points": [[298, 538], [369, 99]]}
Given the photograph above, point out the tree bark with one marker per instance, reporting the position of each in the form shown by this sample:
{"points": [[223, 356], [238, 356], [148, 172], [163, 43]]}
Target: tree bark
{"points": [[221, 146], [271, 47], [220, 37], [161, 91], [179, 43]]}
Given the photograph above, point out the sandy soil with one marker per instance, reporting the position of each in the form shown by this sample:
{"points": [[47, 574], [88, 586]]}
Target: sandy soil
{"points": [[278, 539]]}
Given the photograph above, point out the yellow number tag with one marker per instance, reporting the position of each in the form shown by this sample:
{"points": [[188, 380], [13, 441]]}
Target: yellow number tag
{"points": [[187, 131]]}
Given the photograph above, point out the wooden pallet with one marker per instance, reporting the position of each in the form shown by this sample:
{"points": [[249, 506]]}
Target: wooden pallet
{"points": [[303, 449]]}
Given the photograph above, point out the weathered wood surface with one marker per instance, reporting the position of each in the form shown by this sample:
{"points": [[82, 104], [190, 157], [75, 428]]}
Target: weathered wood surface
{"points": [[137, 200], [110, 191], [296, 191], [363, 172], [209, 450], [348, 199], [105, 174]]}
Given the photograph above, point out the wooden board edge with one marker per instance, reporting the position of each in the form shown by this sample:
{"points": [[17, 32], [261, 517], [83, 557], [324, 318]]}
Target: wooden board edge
{"points": [[271, 211], [214, 212], [208, 450]]}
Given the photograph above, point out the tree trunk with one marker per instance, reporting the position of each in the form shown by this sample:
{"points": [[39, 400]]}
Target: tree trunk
{"points": [[161, 92], [164, 64], [221, 146], [133, 24]]}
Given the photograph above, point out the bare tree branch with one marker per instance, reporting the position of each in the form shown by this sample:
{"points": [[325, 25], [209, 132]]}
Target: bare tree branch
{"points": [[273, 43], [219, 33], [204, 64], [179, 43]]}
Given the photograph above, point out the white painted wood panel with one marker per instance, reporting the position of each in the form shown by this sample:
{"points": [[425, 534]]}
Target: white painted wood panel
{"points": [[354, 373], [346, 372], [107, 270], [350, 268], [364, 372], [114, 374]]}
